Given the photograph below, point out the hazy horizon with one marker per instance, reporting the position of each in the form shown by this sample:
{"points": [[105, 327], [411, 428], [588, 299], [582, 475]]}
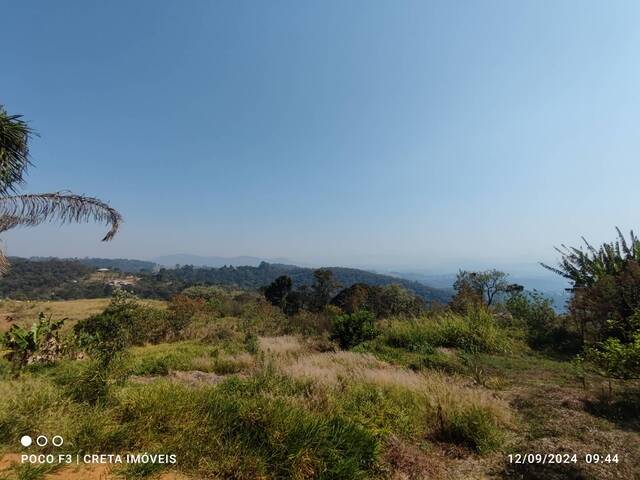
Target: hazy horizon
{"points": [[412, 135]]}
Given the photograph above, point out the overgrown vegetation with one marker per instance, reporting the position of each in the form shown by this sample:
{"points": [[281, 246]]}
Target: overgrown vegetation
{"points": [[356, 382]]}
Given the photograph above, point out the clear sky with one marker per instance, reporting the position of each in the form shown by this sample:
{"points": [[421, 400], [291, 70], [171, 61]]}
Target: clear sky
{"points": [[413, 133]]}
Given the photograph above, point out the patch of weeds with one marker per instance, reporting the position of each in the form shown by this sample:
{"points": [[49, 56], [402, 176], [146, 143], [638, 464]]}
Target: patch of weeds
{"points": [[27, 471], [473, 427], [136, 471], [623, 408]]}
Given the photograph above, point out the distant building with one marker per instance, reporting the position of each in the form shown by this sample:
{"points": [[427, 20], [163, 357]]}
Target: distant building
{"points": [[121, 282], [103, 270]]}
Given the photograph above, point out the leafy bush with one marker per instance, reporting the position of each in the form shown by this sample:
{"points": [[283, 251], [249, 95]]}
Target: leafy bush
{"points": [[616, 359], [123, 323], [183, 308], [351, 329], [107, 334], [40, 344], [151, 325], [544, 328], [383, 301]]}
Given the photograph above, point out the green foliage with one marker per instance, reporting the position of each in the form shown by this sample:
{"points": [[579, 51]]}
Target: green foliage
{"points": [[351, 329], [14, 151], [606, 302], [411, 335], [123, 323], [616, 359], [383, 301], [50, 278], [485, 285], [474, 427], [40, 344], [585, 268], [323, 289], [245, 434], [544, 328], [107, 334], [276, 293], [475, 332], [90, 384], [211, 293]]}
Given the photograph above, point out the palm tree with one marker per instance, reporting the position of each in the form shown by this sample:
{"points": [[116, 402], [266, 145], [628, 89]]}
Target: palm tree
{"points": [[18, 209]]}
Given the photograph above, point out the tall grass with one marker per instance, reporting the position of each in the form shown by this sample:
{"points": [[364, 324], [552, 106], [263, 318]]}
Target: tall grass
{"points": [[475, 332]]}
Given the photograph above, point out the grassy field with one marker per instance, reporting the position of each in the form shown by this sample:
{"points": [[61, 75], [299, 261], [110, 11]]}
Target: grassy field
{"points": [[245, 396], [25, 312]]}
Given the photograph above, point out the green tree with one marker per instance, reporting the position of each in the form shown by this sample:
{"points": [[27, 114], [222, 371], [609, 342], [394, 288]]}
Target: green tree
{"points": [[19, 209], [323, 288], [276, 293], [484, 286], [605, 286]]}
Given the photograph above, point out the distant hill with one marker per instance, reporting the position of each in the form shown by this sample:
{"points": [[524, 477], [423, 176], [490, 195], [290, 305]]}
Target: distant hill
{"points": [[49, 278], [124, 265], [249, 277], [217, 262]]}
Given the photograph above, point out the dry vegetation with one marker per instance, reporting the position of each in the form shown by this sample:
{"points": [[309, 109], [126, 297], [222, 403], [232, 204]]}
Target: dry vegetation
{"points": [[25, 312], [243, 393]]}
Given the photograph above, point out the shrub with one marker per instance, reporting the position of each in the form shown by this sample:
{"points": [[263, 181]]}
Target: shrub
{"points": [[351, 329], [107, 334], [276, 293], [182, 309], [544, 328], [312, 323], [410, 335], [475, 332], [616, 359], [383, 301], [40, 344], [123, 323], [473, 427]]}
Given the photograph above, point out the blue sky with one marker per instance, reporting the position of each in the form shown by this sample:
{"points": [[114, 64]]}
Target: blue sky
{"points": [[418, 134]]}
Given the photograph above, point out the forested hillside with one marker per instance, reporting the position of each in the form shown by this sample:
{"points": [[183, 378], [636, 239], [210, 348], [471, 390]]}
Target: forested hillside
{"points": [[167, 280], [51, 278], [73, 278], [125, 265]]}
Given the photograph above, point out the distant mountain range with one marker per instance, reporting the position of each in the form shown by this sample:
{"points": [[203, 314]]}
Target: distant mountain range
{"points": [[205, 261]]}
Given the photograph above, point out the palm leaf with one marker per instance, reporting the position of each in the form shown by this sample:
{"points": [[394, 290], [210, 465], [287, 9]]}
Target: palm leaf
{"points": [[14, 151], [63, 207]]}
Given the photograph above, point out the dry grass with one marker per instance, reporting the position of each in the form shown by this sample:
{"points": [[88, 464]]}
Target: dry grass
{"points": [[26, 312], [283, 345], [440, 390]]}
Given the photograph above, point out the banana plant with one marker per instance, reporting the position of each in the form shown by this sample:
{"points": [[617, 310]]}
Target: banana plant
{"points": [[22, 344]]}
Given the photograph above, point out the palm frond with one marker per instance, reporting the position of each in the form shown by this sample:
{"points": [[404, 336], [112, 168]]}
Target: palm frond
{"points": [[63, 207], [585, 268], [4, 262], [14, 151]]}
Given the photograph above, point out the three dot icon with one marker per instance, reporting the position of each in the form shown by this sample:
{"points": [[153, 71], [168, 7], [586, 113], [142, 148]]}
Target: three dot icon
{"points": [[41, 441]]}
